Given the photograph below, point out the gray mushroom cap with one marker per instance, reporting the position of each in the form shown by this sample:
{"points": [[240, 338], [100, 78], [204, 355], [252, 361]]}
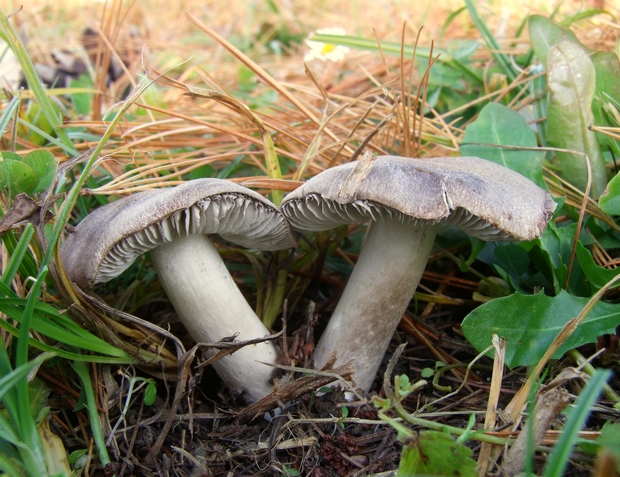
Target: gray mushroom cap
{"points": [[109, 239], [482, 198]]}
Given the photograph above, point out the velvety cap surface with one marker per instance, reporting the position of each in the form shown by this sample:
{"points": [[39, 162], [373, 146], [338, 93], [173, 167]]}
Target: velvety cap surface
{"points": [[484, 199], [109, 239]]}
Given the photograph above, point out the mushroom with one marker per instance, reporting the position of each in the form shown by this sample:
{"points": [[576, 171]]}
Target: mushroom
{"points": [[174, 224], [407, 201]]}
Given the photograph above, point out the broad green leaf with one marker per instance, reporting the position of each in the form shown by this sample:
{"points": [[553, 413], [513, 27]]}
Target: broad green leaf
{"points": [[609, 202], [513, 258], [496, 124], [32, 174], [609, 438], [607, 67], [436, 453], [82, 94], [545, 34], [529, 323], [572, 82], [202, 172], [44, 166], [596, 275], [552, 255], [15, 176]]}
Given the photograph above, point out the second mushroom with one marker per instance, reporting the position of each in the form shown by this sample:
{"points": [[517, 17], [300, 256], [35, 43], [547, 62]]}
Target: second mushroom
{"points": [[174, 224], [407, 201]]}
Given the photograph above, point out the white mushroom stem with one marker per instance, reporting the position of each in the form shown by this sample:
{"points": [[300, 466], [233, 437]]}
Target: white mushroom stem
{"points": [[379, 290], [211, 307]]}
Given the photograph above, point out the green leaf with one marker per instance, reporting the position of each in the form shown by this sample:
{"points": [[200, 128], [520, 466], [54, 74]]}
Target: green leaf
{"points": [[607, 68], [607, 96], [513, 258], [202, 172], [34, 173], [499, 125], [545, 34], [610, 438], [427, 372], [81, 94], [436, 453], [76, 455], [15, 176], [44, 166], [571, 80], [530, 323], [150, 393], [609, 202], [596, 275], [557, 244]]}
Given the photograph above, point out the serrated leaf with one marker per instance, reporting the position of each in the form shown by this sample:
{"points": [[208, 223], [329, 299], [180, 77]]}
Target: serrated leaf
{"points": [[44, 166], [530, 323], [436, 453], [499, 125], [571, 80], [597, 275]]}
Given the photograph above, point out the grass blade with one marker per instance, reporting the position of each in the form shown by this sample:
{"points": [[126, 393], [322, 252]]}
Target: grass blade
{"points": [[93, 412], [8, 113], [18, 255], [27, 425], [8, 381], [35, 82], [494, 47], [576, 418]]}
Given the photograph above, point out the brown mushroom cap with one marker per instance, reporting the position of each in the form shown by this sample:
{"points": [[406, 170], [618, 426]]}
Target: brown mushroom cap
{"points": [[407, 199], [109, 240], [484, 199]]}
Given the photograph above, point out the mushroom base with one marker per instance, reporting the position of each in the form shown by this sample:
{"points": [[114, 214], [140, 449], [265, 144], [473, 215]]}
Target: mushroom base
{"points": [[211, 308], [379, 290]]}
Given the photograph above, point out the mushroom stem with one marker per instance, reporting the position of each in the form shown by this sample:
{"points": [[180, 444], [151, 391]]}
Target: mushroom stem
{"points": [[211, 307], [379, 290]]}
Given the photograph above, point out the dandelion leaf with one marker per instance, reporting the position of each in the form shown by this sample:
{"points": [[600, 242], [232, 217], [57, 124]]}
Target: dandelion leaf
{"points": [[530, 323]]}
